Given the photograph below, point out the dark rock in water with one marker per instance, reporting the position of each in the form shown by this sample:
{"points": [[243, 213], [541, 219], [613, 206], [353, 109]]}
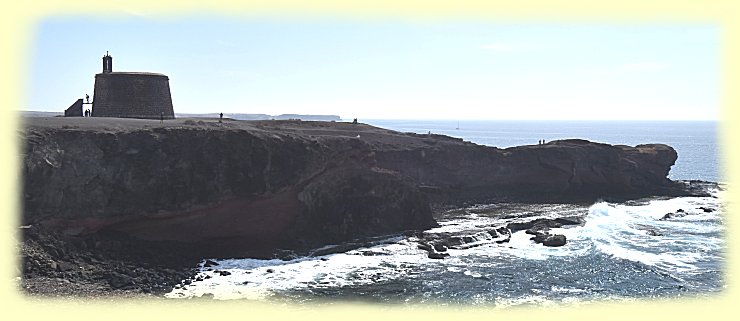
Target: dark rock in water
{"points": [[540, 224], [504, 240], [503, 230], [453, 241], [436, 255], [270, 271], [539, 237], [554, 240], [425, 247], [285, 255], [440, 248], [210, 263], [518, 226], [653, 233], [537, 230], [223, 273], [679, 213], [373, 253], [571, 220], [706, 209], [547, 239], [554, 223]]}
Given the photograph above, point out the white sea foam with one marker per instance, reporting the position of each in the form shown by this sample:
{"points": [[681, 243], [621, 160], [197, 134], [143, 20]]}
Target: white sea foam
{"points": [[637, 233], [257, 279], [630, 232]]}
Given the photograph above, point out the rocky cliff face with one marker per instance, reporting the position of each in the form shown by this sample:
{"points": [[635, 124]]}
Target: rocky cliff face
{"points": [[559, 171], [238, 187], [225, 188]]}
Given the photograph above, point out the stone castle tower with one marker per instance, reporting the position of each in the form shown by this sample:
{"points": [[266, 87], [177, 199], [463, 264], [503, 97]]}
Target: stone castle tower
{"points": [[131, 94]]}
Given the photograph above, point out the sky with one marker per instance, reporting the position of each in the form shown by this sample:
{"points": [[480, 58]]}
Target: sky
{"points": [[392, 68]]}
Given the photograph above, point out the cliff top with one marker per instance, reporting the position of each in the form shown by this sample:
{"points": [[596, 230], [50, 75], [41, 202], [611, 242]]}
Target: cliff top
{"points": [[131, 73], [378, 138], [312, 130]]}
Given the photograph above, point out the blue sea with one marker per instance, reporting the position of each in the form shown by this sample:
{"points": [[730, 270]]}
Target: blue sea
{"points": [[623, 252]]}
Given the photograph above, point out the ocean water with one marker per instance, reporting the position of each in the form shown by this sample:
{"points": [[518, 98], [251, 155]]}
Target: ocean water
{"points": [[623, 251]]}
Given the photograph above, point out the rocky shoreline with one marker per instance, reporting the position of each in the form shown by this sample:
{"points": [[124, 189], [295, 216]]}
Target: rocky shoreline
{"points": [[126, 207]]}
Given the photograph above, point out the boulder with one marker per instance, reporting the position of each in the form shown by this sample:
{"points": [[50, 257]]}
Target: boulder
{"points": [[571, 220], [554, 240], [440, 247], [436, 255], [210, 263], [425, 247], [540, 237]]}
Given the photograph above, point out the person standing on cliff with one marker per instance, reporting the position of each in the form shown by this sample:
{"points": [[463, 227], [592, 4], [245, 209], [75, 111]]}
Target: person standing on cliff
{"points": [[220, 117], [161, 117]]}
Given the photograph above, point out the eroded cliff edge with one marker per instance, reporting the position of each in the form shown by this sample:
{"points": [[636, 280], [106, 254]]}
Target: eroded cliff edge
{"points": [[247, 188]]}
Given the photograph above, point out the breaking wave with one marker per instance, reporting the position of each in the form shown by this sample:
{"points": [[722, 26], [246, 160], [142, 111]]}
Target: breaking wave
{"points": [[632, 250]]}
